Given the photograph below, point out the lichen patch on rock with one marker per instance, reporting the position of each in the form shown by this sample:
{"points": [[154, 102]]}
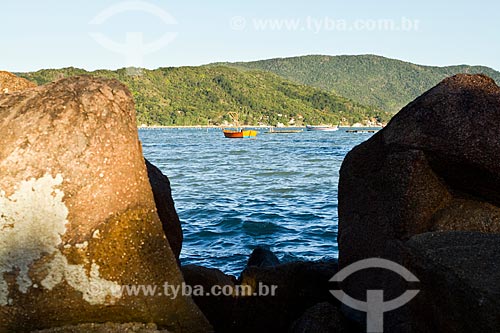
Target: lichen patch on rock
{"points": [[32, 223], [94, 289]]}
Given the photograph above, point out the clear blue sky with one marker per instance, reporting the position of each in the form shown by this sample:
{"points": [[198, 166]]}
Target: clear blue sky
{"points": [[55, 33]]}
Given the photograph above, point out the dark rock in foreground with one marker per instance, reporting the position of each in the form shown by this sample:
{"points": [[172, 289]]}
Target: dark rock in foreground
{"points": [[78, 215], [299, 285], [217, 309], [435, 167], [265, 299], [322, 317], [262, 257], [460, 282], [165, 207]]}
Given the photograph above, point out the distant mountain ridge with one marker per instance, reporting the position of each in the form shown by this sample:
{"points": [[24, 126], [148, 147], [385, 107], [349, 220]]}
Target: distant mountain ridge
{"points": [[301, 90], [384, 83], [205, 95]]}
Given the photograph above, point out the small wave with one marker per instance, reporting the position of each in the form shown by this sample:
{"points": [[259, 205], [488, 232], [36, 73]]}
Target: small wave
{"points": [[266, 216], [305, 217], [229, 222], [238, 152], [203, 234], [278, 173], [282, 190], [255, 228]]}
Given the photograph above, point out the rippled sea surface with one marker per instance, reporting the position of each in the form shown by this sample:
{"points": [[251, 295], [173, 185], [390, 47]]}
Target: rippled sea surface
{"points": [[277, 190]]}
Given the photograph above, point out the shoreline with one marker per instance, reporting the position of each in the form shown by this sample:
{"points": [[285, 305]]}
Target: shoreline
{"points": [[243, 126]]}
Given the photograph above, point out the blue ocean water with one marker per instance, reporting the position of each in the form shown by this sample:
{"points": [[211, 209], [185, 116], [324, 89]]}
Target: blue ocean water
{"points": [[277, 190]]}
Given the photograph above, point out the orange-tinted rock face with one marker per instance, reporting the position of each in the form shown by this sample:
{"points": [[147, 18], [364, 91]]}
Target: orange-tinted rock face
{"points": [[10, 83], [78, 216]]}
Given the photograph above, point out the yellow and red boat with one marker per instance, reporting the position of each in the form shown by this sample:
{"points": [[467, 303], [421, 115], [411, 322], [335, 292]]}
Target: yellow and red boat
{"points": [[240, 134]]}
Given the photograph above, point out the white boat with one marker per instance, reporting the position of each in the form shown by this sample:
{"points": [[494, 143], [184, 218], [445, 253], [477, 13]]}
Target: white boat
{"points": [[325, 128]]}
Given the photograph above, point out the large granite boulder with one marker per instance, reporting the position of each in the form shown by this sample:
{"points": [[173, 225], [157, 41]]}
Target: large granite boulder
{"points": [[78, 220], [460, 282], [10, 83], [435, 167], [165, 206]]}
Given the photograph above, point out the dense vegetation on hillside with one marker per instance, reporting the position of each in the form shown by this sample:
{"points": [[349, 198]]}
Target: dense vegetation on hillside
{"points": [[384, 83], [306, 89], [204, 95]]}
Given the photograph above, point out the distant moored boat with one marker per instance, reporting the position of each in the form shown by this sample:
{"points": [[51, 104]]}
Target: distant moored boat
{"points": [[240, 134], [322, 128], [273, 131]]}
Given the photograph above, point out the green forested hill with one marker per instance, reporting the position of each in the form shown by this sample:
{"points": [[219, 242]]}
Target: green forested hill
{"points": [[307, 89], [384, 83], [204, 95]]}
